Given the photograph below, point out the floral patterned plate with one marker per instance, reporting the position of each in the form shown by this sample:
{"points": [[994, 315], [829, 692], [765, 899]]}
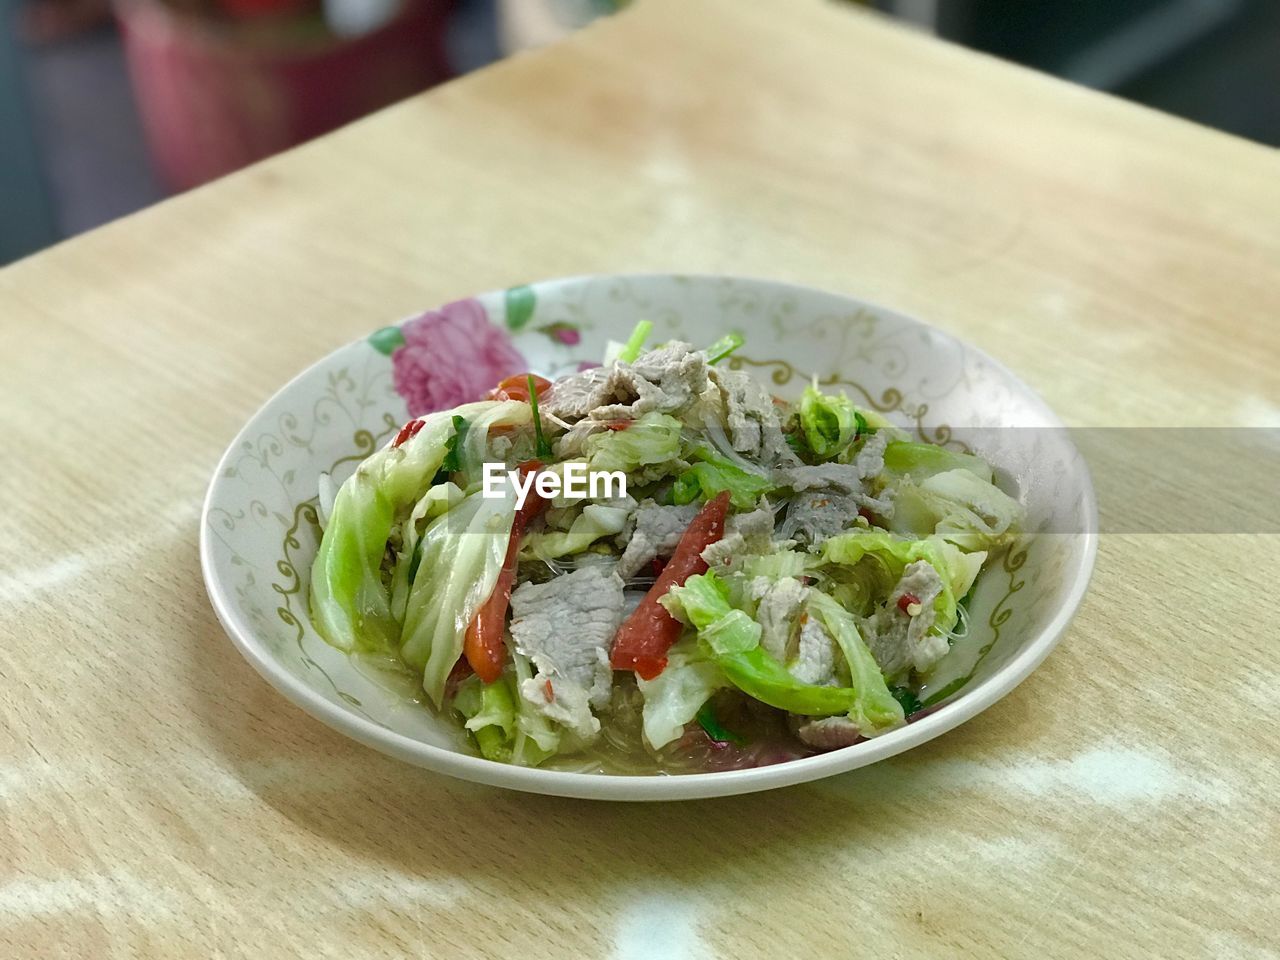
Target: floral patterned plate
{"points": [[259, 531]]}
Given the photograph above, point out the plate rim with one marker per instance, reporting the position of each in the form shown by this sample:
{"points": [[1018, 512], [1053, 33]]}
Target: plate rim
{"points": [[656, 787]]}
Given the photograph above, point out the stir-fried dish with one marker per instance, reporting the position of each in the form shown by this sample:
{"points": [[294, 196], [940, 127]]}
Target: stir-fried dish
{"points": [[735, 579]]}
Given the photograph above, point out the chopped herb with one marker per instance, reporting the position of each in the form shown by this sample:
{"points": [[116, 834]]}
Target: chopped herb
{"points": [[717, 732], [939, 695], [635, 342], [909, 702], [543, 448], [452, 453], [724, 346]]}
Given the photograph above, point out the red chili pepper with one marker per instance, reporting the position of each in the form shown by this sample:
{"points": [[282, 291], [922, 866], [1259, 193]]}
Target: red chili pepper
{"points": [[866, 515], [533, 502], [482, 644], [410, 429], [645, 637], [517, 387], [906, 600], [550, 691], [656, 565], [617, 424]]}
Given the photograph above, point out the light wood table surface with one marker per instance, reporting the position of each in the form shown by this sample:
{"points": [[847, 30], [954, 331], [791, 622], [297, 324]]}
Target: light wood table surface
{"points": [[157, 799]]}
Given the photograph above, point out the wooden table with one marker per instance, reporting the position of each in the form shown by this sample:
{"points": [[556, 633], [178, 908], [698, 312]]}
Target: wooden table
{"points": [[160, 800]]}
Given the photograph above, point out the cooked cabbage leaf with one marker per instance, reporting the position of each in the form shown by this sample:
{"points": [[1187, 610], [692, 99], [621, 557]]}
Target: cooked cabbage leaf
{"points": [[714, 474], [724, 634], [876, 709], [350, 603], [537, 736], [673, 697], [434, 502], [595, 521], [350, 600], [653, 438], [490, 712], [921, 460], [462, 555], [829, 421], [956, 568], [958, 506]]}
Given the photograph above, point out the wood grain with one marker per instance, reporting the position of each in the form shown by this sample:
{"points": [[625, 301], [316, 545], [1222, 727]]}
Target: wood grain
{"points": [[159, 800]]}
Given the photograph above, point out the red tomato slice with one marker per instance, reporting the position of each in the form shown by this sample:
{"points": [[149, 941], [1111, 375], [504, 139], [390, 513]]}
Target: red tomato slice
{"points": [[516, 387]]}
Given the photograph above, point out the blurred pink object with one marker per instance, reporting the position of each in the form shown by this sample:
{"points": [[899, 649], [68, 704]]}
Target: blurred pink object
{"points": [[452, 355], [216, 96]]}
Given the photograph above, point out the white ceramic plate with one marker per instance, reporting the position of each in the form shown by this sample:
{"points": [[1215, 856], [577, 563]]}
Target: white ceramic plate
{"points": [[259, 533]]}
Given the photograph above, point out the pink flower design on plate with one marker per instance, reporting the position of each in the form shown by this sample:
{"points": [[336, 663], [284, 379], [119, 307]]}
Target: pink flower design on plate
{"points": [[561, 332], [448, 356]]}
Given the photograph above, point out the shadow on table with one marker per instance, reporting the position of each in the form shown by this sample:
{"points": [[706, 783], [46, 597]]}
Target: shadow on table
{"points": [[432, 827]]}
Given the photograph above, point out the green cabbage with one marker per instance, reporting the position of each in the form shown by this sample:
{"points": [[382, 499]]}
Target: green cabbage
{"points": [[699, 601], [731, 641], [956, 568], [507, 728], [877, 421], [759, 675], [595, 521], [958, 506], [434, 502], [715, 474], [475, 437], [537, 736], [653, 438], [704, 601], [857, 586], [829, 422], [490, 712], [673, 697], [350, 603], [921, 460], [773, 566], [462, 554], [876, 709]]}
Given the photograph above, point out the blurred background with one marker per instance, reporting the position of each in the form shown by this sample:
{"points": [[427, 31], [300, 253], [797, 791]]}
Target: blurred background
{"points": [[109, 105]]}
